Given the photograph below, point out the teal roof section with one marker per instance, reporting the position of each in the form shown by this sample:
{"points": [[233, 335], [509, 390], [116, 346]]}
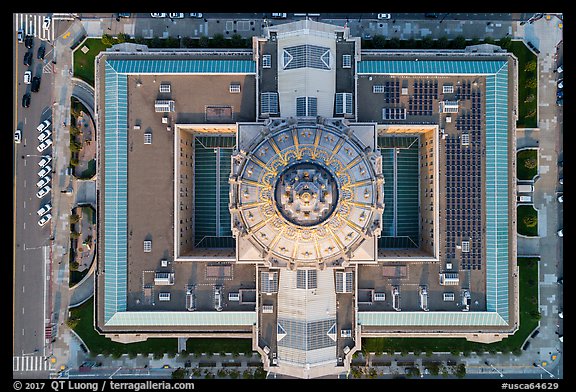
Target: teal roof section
{"points": [[497, 193], [183, 66], [115, 191], [430, 319], [182, 319], [454, 67]]}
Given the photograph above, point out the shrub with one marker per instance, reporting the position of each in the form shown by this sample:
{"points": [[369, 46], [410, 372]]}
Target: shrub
{"points": [[530, 220], [531, 83], [530, 66]]}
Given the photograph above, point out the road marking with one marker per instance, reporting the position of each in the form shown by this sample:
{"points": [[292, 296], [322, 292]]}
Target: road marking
{"points": [[22, 310], [22, 331], [23, 289], [24, 181], [25, 120], [24, 267], [66, 35], [24, 204]]}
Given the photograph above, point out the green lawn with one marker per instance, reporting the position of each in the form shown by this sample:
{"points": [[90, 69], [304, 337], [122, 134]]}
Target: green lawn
{"points": [[528, 321], [89, 173], [524, 56], [99, 344], [525, 211], [84, 63], [216, 345], [76, 277], [524, 160]]}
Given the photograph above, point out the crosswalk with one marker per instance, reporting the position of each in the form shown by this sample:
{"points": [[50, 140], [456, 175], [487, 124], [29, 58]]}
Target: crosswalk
{"points": [[30, 363], [32, 25]]}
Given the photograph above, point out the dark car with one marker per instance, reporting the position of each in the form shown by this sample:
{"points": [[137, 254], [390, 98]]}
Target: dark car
{"points": [[26, 100], [35, 84], [41, 52], [29, 41], [28, 58]]}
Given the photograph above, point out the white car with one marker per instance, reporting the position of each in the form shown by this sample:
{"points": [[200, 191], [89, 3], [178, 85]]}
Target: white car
{"points": [[44, 171], [561, 83], [44, 145], [43, 181], [176, 15], [196, 15], [45, 208], [45, 160], [45, 219], [42, 192], [27, 77], [46, 23], [158, 15], [561, 233], [384, 16], [560, 69], [561, 198], [44, 125], [44, 135], [17, 136]]}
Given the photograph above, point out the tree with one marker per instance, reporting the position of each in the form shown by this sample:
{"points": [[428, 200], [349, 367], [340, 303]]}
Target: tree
{"points": [[74, 131], [427, 42], [505, 43], [259, 373], [155, 42], [204, 42], [459, 42], [171, 42], [132, 354], [434, 368], [74, 218], [74, 235], [247, 374], [530, 98], [530, 220], [184, 354], [140, 40], [530, 66], [122, 37], [75, 146], [237, 41], [187, 42], [475, 41], [107, 40], [117, 354], [218, 41], [460, 371], [372, 373], [72, 322], [530, 163], [379, 41], [222, 373], [74, 161], [179, 374], [442, 42], [489, 40], [517, 351], [234, 374], [531, 83], [158, 355], [394, 43]]}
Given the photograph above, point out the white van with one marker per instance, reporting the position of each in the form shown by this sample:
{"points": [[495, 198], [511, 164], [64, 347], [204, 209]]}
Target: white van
{"points": [[524, 199]]}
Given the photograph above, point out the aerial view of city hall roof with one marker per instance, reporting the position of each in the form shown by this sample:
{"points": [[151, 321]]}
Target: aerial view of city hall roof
{"points": [[306, 193]]}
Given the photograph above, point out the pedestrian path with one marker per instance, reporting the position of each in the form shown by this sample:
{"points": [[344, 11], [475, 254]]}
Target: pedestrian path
{"points": [[30, 363], [32, 25]]}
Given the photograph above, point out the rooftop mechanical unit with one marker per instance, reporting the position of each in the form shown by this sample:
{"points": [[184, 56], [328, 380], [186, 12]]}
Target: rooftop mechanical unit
{"points": [[449, 279], [164, 278], [163, 106], [466, 300], [190, 299], [396, 298], [218, 298], [423, 292]]}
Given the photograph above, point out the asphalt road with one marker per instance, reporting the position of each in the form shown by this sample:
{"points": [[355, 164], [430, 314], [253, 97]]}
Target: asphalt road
{"points": [[30, 242]]}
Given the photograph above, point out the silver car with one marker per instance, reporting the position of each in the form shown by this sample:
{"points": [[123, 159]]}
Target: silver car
{"points": [[45, 219], [44, 135], [44, 145], [44, 125], [45, 208], [45, 160], [44, 171], [43, 181], [43, 191]]}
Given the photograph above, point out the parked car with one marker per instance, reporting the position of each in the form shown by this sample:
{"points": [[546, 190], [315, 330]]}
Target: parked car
{"points": [[279, 15], [560, 198], [44, 135], [43, 191], [27, 77], [35, 84], [44, 145], [561, 83], [45, 219], [124, 14], [561, 233], [17, 136], [20, 36], [29, 41], [44, 209], [43, 125], [28, 58], [43, 181], [44, 171], [176, 15], [41, 52], [197, 15], [158, 15], [46, 23], [560, 69], [26, 100], [46, 159], [384, 16]]}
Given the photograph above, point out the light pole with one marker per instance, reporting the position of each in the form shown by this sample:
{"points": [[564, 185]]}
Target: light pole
{"points": [[541, 367], [492, 366]]}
